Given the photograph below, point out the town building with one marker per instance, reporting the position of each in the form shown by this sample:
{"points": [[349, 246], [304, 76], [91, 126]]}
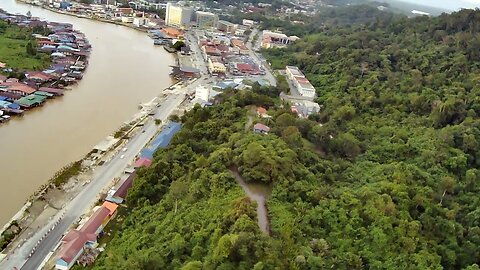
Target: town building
{"points": [[304, 108], [119, 193], [227, 27], [206, 19], [76, 241], [215, 65], [171, 32], [276, 40], [300, 82], [261, 128], [140, 21], [248, 22], [15, 87], [178, 16], [202, 93], [240, 46]]}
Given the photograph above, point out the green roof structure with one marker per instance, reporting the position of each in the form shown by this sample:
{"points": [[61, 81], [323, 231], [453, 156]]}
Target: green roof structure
{"points": [[31, 100]]}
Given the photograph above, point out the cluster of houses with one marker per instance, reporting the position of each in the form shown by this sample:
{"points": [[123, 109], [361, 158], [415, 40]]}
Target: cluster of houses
{"points": [[228, 54], [80, 245], [69, 51], [134, 14]]}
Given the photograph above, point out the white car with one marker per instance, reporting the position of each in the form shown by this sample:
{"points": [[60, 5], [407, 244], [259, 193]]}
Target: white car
{"points": [[124, 149], [122, 156]]}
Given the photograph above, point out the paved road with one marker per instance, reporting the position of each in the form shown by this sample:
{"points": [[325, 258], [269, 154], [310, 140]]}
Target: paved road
{"points": [[252, 47], [101, 179], [196, 52]]}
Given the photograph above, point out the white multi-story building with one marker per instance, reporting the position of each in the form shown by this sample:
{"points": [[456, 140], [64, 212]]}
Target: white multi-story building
{"points": [[203, 93], [276, 40], [178, 16], [300, 82]]}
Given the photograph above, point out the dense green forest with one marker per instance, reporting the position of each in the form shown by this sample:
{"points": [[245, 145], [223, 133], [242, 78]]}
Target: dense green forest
{"points": [[384, 177]]}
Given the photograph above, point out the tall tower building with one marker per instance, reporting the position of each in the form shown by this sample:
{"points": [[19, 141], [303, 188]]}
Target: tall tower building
{"points": [[178, 16]]}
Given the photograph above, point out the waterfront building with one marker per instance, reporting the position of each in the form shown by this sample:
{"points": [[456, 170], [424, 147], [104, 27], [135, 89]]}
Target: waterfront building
{"points": [[178, 16], [140, 21], [206, 19], [15, 87]]}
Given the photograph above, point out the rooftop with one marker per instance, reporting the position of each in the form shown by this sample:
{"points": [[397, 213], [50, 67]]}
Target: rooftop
{"points": [[262, 127], [123, 188], [95, 221]]}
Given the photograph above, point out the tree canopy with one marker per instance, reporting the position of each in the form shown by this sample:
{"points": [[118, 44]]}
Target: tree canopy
{"points": [[386, 176]]}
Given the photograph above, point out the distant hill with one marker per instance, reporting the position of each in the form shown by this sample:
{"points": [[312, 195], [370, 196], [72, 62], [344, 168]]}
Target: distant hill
{"points": [[404, 7], [397, 6]]}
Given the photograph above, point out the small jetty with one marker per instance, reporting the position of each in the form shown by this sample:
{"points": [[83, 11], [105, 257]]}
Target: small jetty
{"points": [[69, 51], [170, 49]]}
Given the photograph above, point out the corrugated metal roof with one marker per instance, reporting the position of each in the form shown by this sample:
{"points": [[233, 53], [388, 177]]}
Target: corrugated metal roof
{"points": [[161, 140]]}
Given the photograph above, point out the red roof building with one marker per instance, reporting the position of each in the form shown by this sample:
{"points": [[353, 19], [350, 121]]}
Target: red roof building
{"points": [[122, 190], [260, 128], [112, 207], [142, 162], [17, 88], [54, 91], [96, 222], [245, 68], [39, 76], [125, 11], [261, 111], [76, 240], [211, 50], [72, 247], [172, 32], [240, 46]]}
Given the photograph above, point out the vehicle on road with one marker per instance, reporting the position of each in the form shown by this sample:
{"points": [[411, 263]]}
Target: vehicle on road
{"points": [[122, 156], [124, 149]]}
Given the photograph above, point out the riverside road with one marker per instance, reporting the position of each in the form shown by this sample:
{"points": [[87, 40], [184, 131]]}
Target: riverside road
{"points": [[101, 179]]}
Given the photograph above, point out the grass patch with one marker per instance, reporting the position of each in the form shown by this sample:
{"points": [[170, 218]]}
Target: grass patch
{"points": [[122, 131], [64, 174], [13, 52], [9, 234]]}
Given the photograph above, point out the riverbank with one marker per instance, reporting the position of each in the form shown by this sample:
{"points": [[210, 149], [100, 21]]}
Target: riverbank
{"points": [[52, 197], [67, 51], [64, 12], [65, 130]]}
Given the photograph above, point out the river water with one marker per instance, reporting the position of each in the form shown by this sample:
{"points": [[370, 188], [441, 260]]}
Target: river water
{"points": [[259, 193], [125, 69]]}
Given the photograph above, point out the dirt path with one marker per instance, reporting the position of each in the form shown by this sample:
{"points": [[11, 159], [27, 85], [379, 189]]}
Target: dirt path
{"points": [[249, 123], [258, 193]]}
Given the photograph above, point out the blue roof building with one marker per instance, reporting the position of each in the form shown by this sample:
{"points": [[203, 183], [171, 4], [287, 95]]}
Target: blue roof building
{"points": [[162, 140]]}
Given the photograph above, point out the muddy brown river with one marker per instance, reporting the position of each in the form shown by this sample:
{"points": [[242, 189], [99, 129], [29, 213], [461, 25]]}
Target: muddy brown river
{"points": [[125, 69]]}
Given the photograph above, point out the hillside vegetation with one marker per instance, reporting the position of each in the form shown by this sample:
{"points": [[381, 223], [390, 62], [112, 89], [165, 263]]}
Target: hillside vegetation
{"points": [[385, 177]]}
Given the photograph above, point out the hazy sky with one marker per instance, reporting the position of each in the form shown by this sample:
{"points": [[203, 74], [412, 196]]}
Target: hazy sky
{"points": [[448, 4]]}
